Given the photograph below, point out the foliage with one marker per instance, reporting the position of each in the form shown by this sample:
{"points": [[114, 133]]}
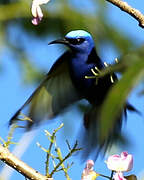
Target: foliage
{"points": [[59, 18]]}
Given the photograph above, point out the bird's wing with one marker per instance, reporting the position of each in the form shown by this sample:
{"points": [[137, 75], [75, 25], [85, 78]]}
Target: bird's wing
{"points": [[92, 140], [54, 94]]}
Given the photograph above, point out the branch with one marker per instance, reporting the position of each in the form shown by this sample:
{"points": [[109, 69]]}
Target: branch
{"points": [[74, 149], [18, 150], [128, 9], [52, 139], [19, 165]]}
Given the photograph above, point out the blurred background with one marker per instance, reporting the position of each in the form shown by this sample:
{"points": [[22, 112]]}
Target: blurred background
{"points": [[25, 58]]}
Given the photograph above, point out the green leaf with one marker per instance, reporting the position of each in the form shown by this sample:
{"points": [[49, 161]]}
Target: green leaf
{"points": [[116, 98]]}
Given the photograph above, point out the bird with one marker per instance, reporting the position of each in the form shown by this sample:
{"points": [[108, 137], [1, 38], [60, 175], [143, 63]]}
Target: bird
{"points": [[67, 82]]}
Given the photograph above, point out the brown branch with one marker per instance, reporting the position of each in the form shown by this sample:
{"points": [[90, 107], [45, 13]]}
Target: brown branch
{"points": [[20, 166], [128, 9]]}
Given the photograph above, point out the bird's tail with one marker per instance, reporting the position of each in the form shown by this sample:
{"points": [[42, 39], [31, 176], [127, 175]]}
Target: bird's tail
{"points": [[92, 140]]}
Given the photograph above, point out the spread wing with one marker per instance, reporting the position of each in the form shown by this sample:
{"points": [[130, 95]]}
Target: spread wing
{"points": [[54, 94]]}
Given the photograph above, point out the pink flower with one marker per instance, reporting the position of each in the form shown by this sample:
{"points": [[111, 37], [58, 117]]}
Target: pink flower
{"points": [[89, 165], [119, 176], [88, 173], [36, 10], [121, 163]]}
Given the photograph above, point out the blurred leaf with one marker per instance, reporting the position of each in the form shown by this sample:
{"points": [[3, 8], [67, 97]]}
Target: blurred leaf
{"points": [[132, 57], [117, 96], [14, 10]]}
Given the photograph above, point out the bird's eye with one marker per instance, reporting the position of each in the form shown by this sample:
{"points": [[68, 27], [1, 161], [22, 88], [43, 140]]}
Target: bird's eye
{"points": [[76, 41], [80, 40]]}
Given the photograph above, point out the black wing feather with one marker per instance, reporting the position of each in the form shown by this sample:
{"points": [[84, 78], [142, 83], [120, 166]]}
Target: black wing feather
{"points": [[55, 93]]}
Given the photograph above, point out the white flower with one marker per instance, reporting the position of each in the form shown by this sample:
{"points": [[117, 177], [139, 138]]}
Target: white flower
{"points": [[36, 10], [120, 163]]}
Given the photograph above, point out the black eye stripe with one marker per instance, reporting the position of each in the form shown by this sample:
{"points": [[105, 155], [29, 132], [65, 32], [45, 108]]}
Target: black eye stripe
{"points": [[80, 40], [75, 41]]}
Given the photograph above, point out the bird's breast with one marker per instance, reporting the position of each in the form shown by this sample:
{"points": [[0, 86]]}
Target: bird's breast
{"points": [[91, 90], [78, 71]]}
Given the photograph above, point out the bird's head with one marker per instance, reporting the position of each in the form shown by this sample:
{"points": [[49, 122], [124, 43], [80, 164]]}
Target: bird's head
{"points": [[77, 40]]}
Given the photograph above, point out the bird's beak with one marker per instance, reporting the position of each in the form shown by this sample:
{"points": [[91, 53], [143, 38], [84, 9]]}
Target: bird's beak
{"points": [[59, 41]]}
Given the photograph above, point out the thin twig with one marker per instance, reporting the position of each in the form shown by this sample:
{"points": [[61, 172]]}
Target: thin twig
{"points": [[19, 165], [62, 165], [112, 175], [52, 140], [74, 149], [48, 155], [128, 9], [104, 176], [10, 136]]}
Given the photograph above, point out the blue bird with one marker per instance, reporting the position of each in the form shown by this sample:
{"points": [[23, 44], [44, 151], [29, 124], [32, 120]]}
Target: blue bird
{"points": [[66, 83]]}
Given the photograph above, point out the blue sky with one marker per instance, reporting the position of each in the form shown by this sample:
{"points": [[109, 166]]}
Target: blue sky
{"points": [[14, 93]]}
